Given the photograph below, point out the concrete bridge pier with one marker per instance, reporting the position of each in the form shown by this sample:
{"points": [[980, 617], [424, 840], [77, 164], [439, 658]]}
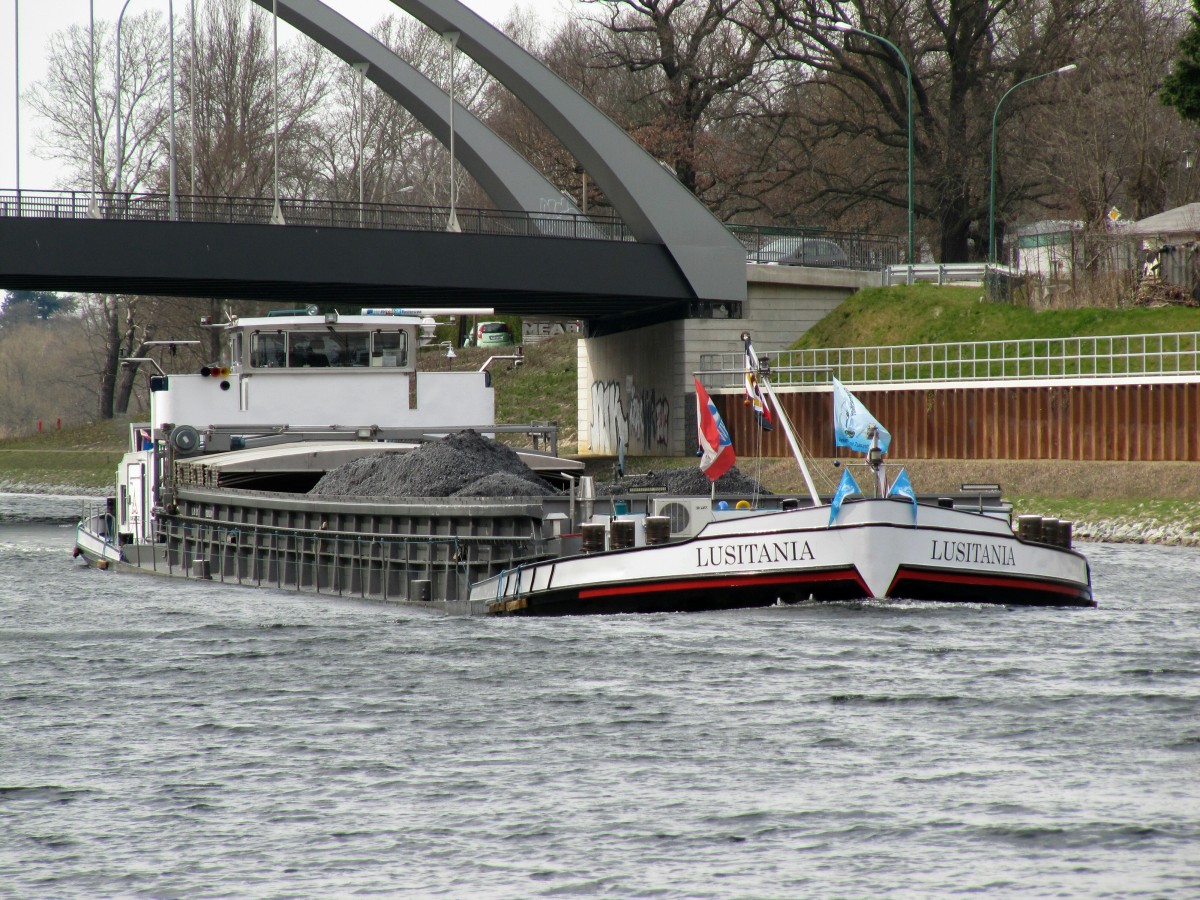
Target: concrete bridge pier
{"points": [[635, 387]]}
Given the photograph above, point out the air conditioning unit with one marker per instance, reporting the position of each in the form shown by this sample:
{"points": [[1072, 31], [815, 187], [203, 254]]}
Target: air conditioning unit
{"points": [[688, 515]]}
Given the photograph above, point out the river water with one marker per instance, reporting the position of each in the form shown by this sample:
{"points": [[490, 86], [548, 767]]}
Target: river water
{"points": [[166, 738]]}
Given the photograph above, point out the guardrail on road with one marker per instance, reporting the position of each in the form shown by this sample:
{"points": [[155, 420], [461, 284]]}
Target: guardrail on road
{"points": [[944, 273]]}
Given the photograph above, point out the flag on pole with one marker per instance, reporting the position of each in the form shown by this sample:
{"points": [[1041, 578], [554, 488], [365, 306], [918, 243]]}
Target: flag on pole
{"points": [[754, 395], [902, 487], [851, 421], [716, 449], [845, 488]]}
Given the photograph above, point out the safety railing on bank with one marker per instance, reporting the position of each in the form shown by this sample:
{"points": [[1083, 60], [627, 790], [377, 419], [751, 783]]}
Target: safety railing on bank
{"points": [[1036, 358], [308, 213], [945, 273]]}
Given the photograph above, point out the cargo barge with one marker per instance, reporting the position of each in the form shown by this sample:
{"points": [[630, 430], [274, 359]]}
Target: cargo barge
{"points": [[223, 483]]}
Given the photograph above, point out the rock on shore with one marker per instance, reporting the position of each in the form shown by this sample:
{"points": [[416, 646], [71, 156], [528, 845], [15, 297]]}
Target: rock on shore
{"points": [[1151, 531]]}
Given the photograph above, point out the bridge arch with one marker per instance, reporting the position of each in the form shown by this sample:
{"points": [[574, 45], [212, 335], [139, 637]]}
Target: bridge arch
{"points": [[504, 175], [652, 203]]}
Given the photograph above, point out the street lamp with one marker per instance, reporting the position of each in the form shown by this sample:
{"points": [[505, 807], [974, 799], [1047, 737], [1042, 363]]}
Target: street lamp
{"points": [[451, 38], [847, 28], [17, 90], [120, 142], [277, 212], [995, 117], [93, 209], [171, 28], [361, 68]]}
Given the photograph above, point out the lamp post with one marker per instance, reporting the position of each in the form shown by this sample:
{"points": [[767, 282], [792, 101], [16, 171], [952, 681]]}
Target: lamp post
{"points": [[120, 141], [93, 209], [192, 106], [995, 118], [361, 68], [17, 91], [451, 38], [277, 212], [847, 28], [171, 42]]}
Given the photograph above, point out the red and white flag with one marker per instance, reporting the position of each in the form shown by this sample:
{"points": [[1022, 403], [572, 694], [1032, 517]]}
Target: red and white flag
{"points": [[716, 449]]}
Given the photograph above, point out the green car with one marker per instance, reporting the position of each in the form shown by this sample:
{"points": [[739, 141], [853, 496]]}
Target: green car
{"points": [[492, 334]]}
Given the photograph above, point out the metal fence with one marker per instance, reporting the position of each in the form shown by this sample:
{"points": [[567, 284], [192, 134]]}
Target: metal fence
{"points": [[1045, 358], [944, 273], [817, 247], [308, 213]]}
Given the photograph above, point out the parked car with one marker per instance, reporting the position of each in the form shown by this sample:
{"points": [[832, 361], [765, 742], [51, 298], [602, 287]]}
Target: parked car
{"points": [[800, 251], [491, 334]]}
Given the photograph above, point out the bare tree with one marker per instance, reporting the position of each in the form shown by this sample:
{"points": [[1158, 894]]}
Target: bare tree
{"points": [[400, 160], [963, 56], [690, 63], [235, 122], [1113, 144], [65, 101]]}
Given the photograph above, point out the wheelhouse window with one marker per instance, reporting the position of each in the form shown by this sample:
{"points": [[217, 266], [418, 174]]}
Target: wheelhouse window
{"points": [[327, 349], [268, 350], [389, 348]]}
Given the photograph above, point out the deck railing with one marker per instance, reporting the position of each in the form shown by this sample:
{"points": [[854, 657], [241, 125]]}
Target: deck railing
{"points": [[1119, 356], [308, 213]]}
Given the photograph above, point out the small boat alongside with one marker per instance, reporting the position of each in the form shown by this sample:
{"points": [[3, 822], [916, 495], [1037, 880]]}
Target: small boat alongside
{"points": [[240, 477]]}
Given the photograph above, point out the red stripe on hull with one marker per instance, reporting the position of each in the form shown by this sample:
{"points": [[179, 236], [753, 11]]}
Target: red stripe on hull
{"points": [[733, 581], [1006, 583]]}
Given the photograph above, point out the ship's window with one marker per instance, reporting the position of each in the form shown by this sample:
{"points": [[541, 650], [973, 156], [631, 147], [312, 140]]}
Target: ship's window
{"points": [[348, 348], [235, 349], [389, 348], [306, 350], [268, 350]]}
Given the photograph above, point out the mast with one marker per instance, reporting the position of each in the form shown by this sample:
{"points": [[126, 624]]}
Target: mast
{"points": [[762, 372]]}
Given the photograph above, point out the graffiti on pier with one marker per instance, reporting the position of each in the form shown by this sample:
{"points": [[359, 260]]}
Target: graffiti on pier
{"points": [[643, 428], [649, 416]]}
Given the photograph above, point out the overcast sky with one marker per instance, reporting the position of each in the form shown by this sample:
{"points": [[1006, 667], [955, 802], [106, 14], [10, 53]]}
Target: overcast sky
{"points": [[40, 18]]}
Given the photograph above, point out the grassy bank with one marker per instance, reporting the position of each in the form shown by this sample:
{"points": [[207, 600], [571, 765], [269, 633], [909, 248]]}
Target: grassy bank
{"points": [[929, 314], [78, 457]]}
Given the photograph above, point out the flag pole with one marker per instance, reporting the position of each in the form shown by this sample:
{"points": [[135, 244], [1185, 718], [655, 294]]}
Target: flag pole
{"points": [[784, 420], [792, 442]]}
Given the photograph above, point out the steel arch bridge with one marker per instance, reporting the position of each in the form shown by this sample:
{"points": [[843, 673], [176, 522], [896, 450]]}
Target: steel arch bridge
{"points": [[663, 255]]}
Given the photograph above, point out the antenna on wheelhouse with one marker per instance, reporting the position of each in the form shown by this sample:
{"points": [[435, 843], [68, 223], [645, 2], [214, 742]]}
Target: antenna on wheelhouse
{"points": [[763, 371]]}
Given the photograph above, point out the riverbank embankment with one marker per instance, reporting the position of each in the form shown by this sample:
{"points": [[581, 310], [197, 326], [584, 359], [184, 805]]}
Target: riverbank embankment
{"points": [[1130, 503]]}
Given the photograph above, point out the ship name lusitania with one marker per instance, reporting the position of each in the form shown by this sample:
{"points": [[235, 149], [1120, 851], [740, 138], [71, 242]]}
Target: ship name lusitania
{"points": [[752, 554], [973, 552]]}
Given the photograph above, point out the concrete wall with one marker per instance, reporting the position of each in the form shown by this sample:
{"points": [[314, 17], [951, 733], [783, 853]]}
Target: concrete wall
{"points": [[636, 387]]}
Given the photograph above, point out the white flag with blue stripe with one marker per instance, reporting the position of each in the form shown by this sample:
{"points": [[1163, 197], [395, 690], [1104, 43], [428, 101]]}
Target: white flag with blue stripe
{"points": [[851, 421], [902, 487], [845, 488]]}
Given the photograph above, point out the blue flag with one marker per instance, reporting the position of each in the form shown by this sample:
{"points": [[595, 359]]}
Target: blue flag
{"points": [[845, 488], [902, 487], [851, 421]]}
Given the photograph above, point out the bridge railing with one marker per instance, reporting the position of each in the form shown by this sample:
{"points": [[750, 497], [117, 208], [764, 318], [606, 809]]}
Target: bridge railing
{"points": [[308, 213], [1118, 356], [818, 247]]}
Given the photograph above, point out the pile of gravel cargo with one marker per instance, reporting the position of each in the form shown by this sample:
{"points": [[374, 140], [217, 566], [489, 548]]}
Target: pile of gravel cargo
{"points": [[467, 464], [682, 482], [461, 465]]}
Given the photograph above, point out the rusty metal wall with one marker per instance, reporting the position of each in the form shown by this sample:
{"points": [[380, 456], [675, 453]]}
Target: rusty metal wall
{"points": [[1114, 422]]}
